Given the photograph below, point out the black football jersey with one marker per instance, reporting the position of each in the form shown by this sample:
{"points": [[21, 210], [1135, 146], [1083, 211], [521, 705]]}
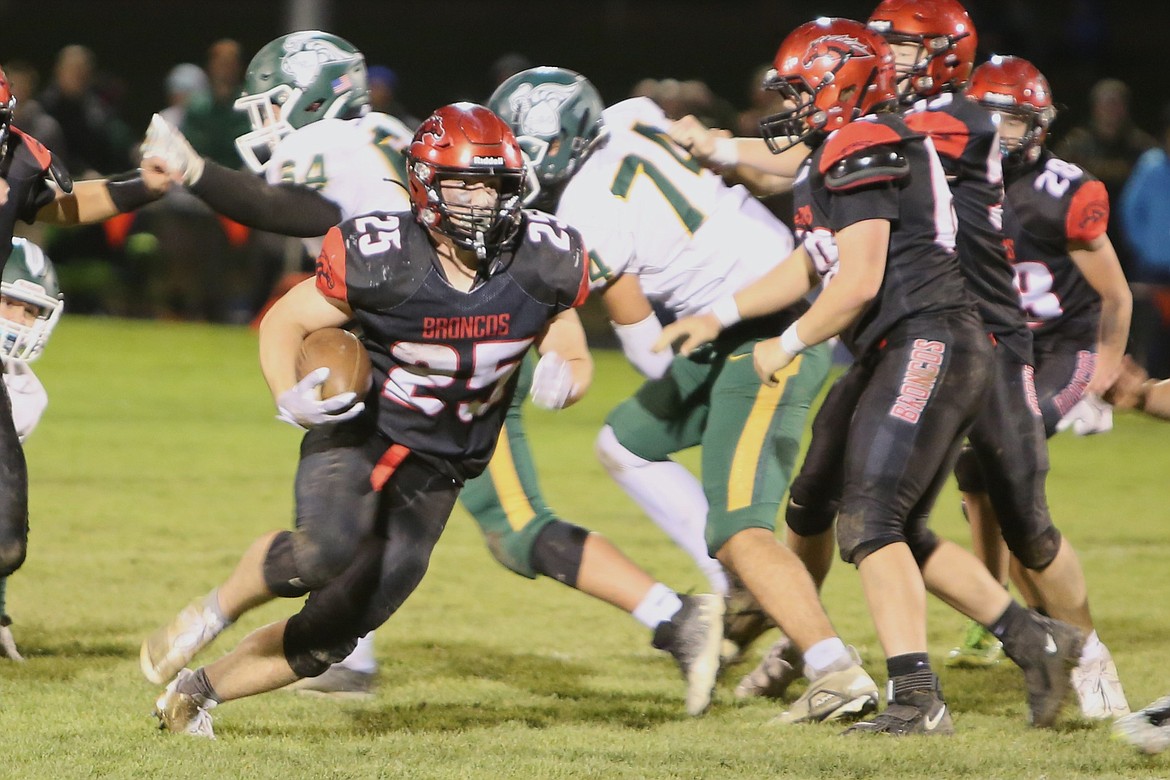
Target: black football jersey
{"points": [[922, 275], [24, 177], [968, 146], [1049, 204], [444, 361]]}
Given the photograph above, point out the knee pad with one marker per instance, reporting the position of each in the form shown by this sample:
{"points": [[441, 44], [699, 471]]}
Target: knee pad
{"points": [[810, 520], [306, 654], [1038, 552], [613, 454], [557, 551], [856, 542], [286, 579], [922, 542], [968, 472]]}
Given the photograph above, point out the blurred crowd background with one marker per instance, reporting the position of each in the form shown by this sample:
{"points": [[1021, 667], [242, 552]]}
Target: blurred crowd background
{"points": [[88, 75]]}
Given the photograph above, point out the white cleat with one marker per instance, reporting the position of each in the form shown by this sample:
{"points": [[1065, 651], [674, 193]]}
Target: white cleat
{"points": [[184, 713], [694, 636], [1099, 688], [1148, 729]]}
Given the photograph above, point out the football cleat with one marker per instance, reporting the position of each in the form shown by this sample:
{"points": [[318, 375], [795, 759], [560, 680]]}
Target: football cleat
{"points": [[1047, 666], [1099, 688], [778, 669], [846, 694], [1148, 729], [694, 636], [172, 647], [919, 712], [184, 713], [337, 682], [7, 641], [978, 650]]}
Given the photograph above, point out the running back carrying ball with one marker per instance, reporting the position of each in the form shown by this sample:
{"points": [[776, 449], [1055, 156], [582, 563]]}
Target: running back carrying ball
{"points": [[343, 354]]}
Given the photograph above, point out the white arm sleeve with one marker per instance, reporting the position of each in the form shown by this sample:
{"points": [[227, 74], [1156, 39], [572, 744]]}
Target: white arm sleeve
{"points": [[637, 339], [28, 397]]}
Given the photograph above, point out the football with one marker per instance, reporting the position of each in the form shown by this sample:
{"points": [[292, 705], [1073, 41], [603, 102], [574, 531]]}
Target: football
{"points": [[343, 354]]}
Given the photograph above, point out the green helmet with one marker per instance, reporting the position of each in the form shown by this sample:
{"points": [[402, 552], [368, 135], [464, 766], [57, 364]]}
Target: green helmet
{"points": [[29, 278], [556, 115], [308, 75]]}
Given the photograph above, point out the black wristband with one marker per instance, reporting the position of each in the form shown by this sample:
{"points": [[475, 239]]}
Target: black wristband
{"points": [[130, 194]]}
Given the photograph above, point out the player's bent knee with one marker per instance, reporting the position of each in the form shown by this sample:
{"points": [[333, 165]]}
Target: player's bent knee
{"points": [[614, 455], [557, 551], [968, 472], [307, 655], [1038, 552], [512, 548], [857, 540]]}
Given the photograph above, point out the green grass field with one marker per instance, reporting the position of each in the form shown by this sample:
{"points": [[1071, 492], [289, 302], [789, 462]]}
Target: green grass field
{"points": [[159, 460]]}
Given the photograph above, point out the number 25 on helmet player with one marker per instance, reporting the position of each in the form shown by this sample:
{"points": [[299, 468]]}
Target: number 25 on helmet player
{"points": [[460, 153], [294, 81], [829, 72]]}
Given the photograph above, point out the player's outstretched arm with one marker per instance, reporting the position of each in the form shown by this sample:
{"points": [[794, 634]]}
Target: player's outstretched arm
{"points": [[746, 160]]}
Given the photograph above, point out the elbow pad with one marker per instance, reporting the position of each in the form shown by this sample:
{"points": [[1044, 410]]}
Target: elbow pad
{"points": [[637, 340]]}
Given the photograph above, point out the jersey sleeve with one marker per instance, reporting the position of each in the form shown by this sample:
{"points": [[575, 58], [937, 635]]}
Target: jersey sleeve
{"points": [[610, 250], [331, 266], [1088, 212]]}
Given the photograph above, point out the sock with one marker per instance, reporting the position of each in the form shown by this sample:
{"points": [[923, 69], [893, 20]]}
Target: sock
{"points": [[362, 658], [1017, 628], [199, 686], [659, 604], [671, 496], [827, 655], [3, 591], [212, 607], [1094, 648], [910, 672]]}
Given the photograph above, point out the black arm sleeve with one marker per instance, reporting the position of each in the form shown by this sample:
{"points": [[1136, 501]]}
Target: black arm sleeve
{"points": [[288, 209]]}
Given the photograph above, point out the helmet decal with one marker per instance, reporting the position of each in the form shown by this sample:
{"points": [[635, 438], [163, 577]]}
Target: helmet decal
{"points": [[837, 47], [537, 107], [307, 55]]}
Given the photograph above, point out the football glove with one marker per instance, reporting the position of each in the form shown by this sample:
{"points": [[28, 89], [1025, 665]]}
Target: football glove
{"points": [[300, 406], [1090, 415], [171, 146], [552, 382]]}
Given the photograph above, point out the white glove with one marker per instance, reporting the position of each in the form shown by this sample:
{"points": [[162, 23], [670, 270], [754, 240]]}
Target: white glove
{"points": [[552, 382], [301, 406], [1090, 415], [170, 145], [27, 395]]}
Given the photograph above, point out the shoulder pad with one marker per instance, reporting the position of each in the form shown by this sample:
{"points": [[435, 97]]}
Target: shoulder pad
{"points": [[868, 166], [331, 266], [41, 154], [1088, 212], [855, 137]]}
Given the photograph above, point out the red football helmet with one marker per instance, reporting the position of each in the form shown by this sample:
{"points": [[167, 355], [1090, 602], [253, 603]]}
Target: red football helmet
{"points": [[833, 70], [944, 34], [7, 106], [1015, 86], [467, 142]]}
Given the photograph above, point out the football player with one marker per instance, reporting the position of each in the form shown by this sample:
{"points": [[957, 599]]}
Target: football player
{"points": [[660, 228], [449, 296], [35, 187], [877, 225], [30, 306], [310, 134], [1135, 390], [934, 46]]}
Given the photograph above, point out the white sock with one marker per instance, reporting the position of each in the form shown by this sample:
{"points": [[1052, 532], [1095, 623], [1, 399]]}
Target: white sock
{"points": [[1094, 648], [827, 655], [659, 604], [670, 495], [362, 658]]}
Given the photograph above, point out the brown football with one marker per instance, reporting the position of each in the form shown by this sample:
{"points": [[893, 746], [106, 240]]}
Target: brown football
{"points": [[343, 354]]}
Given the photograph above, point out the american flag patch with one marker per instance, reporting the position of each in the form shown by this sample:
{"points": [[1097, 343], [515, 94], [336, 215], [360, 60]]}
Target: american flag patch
{"points": [[342, 84]]}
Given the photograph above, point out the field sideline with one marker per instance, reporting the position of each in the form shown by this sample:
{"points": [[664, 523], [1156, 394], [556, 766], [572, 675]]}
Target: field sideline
{"points": [[159, 459]]}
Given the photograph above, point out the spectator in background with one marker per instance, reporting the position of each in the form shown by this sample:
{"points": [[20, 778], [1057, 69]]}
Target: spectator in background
{"points": [[1145, 221], [96, 139], [1107, 146], [212, 124], [383, 86], [29, 115], [185, 82]]}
